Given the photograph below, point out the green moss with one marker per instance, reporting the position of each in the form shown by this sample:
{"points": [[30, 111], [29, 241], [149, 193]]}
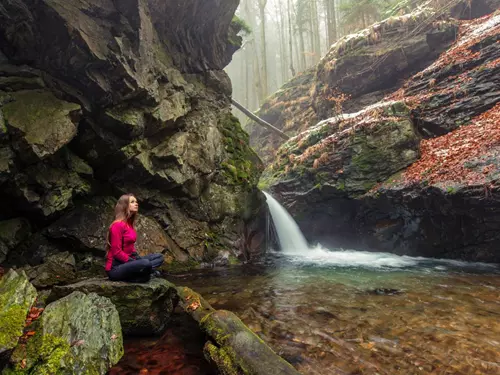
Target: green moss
{"points": [[233, 261], [39, 114], [243, 166], [11, 326], [221, 359], [45, 355], [367, 158], [241, 25], [130, 116]]}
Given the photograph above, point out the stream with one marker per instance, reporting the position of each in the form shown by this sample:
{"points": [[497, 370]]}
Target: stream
{"points": [[348, 312]]}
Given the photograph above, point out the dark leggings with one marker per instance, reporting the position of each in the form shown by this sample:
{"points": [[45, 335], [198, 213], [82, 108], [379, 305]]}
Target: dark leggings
{"points": [[136, 270]]}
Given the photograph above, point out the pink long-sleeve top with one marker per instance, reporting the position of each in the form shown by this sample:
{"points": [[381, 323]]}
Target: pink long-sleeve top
{"points": [[120, 233]]}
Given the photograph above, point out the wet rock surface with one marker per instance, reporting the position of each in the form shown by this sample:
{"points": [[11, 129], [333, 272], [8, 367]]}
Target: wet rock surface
{"points": [[358, 71], [79, 334], [144, 309]]}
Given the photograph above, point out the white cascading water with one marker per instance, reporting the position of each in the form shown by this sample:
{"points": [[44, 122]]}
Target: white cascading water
{"points": [[291, 239], [295, 246]]}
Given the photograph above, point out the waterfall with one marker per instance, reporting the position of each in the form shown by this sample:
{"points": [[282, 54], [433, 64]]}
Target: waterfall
{"points": [[291, 239]]}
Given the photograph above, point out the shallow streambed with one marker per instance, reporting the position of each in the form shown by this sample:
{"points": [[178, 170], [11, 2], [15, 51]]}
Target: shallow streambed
{"points": [[365, 313]]}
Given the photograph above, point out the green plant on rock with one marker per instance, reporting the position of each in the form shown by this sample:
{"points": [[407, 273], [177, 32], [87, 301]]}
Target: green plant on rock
{"points": [[243, 166], [241, 25]]}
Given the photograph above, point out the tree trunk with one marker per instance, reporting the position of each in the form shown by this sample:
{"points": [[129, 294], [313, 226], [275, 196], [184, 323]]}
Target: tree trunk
{"points": [[262, 12], [331, 22], [290, 38], [259, 121]]}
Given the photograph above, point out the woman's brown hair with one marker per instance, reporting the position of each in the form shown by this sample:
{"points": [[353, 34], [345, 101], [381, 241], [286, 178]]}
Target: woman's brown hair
{"points": [[122, 213]]}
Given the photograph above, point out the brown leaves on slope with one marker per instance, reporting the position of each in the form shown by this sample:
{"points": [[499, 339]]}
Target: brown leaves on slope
{"points": [[443, 159], [464, 51]]}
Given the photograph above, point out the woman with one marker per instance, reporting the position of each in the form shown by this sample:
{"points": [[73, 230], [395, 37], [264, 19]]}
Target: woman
{"points": [[122, 261]]}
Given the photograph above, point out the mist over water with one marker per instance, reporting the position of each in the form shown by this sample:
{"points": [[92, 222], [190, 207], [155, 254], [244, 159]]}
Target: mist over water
{"points": [[295, 248]]}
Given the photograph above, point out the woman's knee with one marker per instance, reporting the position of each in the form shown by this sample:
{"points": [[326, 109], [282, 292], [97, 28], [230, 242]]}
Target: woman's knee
{"points": [[143, 263]]}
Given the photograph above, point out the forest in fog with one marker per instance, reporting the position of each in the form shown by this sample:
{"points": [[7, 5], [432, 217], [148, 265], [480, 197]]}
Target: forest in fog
{"points": [[283, 38]]}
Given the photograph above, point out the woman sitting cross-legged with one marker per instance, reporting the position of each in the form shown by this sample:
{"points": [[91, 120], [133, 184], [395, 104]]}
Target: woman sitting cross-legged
{"points": [[122, 261]]}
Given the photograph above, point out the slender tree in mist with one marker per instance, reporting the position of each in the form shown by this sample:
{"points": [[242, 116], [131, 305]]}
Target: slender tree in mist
{"points": [[263, 46]]}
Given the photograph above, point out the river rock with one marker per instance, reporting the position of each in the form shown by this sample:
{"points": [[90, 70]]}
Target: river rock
{"points": [[78, 334], [144, 309], [17, 296]]}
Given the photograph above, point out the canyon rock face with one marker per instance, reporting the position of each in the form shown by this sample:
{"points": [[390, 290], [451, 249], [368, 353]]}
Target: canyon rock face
{"points": [[415, 173], [100, 98]]}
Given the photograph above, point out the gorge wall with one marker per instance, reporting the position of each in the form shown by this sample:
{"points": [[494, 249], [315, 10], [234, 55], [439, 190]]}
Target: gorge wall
{"points": [[100, 98], [398, 147]]}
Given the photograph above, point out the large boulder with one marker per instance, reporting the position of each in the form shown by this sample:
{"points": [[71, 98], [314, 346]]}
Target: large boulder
{"points": [[232, 347], [39, 123], [17, 296], [358, 71], [100, 52], [79, 334], [144, 309]]}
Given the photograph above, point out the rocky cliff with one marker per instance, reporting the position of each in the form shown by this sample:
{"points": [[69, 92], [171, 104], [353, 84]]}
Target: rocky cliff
{"points": [[99, 98], [411, 170]]}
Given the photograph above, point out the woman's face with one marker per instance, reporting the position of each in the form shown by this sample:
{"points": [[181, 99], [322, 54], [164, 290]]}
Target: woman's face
{"points": [[133, 205]]}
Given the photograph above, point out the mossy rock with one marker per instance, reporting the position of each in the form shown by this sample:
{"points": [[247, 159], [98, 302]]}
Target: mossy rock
{"points": [[144, 309], [17, 296], [242, 166], [40, 123], [79, 334]]}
